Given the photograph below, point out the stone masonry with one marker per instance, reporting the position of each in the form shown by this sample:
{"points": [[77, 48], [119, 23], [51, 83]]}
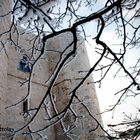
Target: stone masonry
{"points": [[11, 91]]}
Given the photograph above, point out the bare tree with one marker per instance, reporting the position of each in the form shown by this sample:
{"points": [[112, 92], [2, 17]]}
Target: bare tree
{"points": [[47, 19]]}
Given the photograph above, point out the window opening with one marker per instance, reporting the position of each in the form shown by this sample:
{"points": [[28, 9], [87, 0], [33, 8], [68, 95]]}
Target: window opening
{"points": [[25, 108], [24, 64]]}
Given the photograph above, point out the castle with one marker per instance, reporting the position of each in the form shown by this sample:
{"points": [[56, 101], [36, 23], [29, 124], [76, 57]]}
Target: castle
{"points": [[21, 93]]}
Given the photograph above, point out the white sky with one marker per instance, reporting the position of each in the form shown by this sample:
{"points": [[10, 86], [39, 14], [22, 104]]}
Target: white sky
{"points": [[110, 85]]}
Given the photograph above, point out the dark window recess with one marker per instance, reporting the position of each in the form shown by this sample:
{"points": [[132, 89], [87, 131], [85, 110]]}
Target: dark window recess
{"points": [[25, 107], [24, 65], [138, 87]]}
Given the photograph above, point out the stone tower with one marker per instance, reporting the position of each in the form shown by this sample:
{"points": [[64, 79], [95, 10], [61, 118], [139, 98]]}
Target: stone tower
{"points": [[77, 123]]}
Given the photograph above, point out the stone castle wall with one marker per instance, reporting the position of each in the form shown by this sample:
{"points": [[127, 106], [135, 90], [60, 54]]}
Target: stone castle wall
{"points": [[72, 73]]}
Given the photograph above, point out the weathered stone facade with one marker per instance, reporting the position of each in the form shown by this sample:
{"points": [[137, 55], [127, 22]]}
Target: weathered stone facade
{"points": [[71, 74]]}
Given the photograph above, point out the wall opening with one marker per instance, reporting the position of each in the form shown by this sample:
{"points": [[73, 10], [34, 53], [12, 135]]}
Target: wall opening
{"points": [[25, 108], [24, 64]]}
